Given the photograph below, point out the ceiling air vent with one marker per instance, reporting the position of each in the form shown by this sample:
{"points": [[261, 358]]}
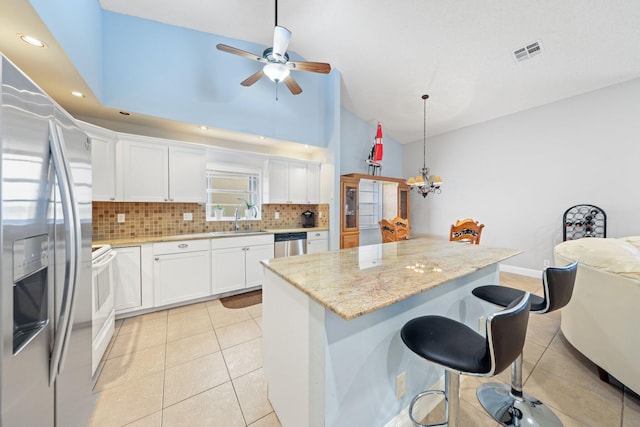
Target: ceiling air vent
{"points": [[528, 51]]}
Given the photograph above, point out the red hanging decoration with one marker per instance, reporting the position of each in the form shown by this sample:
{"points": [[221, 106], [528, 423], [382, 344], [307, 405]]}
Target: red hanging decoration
{"points": [[375, 156]]}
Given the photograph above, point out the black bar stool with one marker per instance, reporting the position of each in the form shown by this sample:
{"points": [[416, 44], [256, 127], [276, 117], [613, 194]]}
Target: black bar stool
{"points": [[461, 350], [508, 404]]}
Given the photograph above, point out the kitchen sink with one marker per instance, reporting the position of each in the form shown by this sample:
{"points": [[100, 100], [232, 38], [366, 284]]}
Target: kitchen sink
{"points": [[233, 233]]}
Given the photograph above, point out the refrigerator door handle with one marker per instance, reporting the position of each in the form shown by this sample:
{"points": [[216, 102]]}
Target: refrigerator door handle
{"points": [[73, 244]]}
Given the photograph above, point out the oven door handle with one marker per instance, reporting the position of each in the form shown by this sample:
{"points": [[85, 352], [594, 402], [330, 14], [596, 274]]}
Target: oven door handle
{"points": [[99, 265]]}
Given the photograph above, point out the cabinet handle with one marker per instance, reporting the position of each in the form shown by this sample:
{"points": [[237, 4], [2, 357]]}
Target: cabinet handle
{"points": [[112, 198], [183, 245], [166, 200], [157, 258]]}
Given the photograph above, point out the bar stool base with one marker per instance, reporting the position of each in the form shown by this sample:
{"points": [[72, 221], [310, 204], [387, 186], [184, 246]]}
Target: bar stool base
{"points": [[427, 393], [508, 410]]}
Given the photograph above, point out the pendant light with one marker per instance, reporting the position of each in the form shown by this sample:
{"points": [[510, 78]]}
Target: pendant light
{"points": [[424, 183]]}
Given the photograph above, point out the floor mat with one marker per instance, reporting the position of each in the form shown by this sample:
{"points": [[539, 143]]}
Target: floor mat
{"points": [[243, 300]]}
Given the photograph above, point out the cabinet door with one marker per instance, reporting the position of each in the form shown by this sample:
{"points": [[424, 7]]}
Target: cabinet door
{"points": [[127, 283], [181, 277], [146, 172], [227, 269], [297, 182], [103, 169], [349, 240], [315, 246], [349, 209], [313, 183], [254, 270], [278, 191], [187, 175]]}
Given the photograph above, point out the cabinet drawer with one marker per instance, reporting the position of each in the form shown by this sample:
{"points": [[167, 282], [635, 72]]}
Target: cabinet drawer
{"points": [[236, 242], [317, 235], [180, 246]]}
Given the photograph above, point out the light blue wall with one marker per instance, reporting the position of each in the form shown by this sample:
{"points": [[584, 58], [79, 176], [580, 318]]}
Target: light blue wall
{"points": [[172, 72], [357, 137], [77, 27]]}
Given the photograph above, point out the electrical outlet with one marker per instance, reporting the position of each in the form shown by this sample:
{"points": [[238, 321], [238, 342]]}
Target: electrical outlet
{"points": [[482, 324], [277, 215], [319, 214], [120, 218], [546, 263], [187, 216], [401, 384]]}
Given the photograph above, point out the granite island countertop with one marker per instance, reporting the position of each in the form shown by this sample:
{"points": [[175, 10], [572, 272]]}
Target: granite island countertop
{"points": [[354, 282], [139, 240]]}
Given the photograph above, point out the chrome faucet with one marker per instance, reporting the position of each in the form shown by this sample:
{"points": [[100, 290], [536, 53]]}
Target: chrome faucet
{"points": [[237, 216]]}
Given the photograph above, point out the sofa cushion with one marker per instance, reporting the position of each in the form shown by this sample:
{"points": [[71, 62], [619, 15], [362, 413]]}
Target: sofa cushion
{"points": [[634, 240], [613, 255]]}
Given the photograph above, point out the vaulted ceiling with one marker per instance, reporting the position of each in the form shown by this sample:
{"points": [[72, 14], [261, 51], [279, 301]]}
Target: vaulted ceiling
{"points": [[460, 52]]}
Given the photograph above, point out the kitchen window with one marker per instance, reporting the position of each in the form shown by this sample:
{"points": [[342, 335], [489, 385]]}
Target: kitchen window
{"points": [[231, 187]]}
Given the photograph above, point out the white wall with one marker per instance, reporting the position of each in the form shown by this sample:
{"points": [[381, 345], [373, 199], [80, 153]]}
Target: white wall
{"points": [[518, 174]]}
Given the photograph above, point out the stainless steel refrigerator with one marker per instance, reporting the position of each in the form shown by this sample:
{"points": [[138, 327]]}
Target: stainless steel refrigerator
{"points": [[45, 265]]}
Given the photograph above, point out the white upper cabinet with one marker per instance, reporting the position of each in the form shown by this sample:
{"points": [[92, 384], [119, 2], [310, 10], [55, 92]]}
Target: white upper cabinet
{"points": [[187, 174], [313, 183], [106, 184], [154, 172], [103, 170], [292, 182]]}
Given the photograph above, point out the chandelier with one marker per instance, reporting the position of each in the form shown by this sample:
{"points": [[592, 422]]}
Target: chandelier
{"points": [[424, 183]]}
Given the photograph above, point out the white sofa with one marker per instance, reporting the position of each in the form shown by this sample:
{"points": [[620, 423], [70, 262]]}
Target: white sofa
{"points": [[602, 320]]}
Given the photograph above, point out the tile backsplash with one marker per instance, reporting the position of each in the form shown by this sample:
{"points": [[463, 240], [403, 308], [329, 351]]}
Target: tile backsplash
{"points": [[158, 219]]}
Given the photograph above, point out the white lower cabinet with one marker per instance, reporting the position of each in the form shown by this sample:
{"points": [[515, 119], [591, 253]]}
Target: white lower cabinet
{"points": [[235, 262], [317, 241], [127, 279], [181, 271]]}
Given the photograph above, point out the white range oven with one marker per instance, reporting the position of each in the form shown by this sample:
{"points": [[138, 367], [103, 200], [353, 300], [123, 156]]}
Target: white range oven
{"points": [[103, 317]]}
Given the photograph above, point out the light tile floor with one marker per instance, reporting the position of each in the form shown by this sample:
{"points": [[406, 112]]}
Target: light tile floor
{"points": [[201, 365]]}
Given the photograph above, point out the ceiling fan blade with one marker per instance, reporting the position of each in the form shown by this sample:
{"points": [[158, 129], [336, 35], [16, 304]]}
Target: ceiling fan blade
{"points": [[281, 38], [293, 86], [252, 78], [314, 67], [239, 52]]}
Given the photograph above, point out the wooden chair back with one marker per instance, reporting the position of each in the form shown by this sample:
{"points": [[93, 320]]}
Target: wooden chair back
{"points": [[394, 230], [466, 230]]}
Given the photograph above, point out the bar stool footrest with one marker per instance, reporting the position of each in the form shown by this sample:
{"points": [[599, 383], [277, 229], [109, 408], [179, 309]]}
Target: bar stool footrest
{"points": [[420, 396], [508, 410]]}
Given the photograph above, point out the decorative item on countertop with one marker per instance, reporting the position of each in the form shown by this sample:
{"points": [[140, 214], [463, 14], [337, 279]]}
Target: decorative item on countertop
{"points": [[375, 156], [424, 183], [251, 210], [217, 212]]}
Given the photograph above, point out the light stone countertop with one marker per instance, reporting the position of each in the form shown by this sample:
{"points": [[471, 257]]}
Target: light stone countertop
{"points": [[357, 281], [132, 241]]}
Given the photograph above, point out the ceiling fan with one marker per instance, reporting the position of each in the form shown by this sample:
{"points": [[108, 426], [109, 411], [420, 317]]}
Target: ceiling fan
{"points": [[277, 66]]}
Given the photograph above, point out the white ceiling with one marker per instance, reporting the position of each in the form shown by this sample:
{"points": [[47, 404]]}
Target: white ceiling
{"points": [[459, 51]]}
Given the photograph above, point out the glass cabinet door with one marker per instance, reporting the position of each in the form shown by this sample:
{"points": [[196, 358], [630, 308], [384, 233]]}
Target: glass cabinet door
{"points": [[350, 206]]}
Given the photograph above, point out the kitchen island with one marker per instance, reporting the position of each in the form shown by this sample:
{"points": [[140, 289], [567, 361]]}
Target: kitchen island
{"points": [[331, 323]]}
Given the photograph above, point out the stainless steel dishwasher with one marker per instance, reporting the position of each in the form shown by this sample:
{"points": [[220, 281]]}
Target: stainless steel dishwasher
{"points": [[290, 244]]}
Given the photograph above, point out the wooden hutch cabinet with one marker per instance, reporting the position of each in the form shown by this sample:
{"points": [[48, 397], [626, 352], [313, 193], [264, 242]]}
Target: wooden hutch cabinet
{"points": [[350, 205]]}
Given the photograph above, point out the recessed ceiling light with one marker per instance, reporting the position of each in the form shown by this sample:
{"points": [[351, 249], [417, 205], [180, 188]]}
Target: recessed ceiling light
{"points": [[261, 138], [124, 113], [77, 94], [203, 127], [32, 40]]}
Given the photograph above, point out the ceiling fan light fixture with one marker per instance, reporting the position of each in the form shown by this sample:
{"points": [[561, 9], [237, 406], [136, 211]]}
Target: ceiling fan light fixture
{"points": [[276, 72]]}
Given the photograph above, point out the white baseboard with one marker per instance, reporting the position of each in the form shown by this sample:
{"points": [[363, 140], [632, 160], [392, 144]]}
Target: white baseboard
{"points": [[422, 408], [521, 270]]}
